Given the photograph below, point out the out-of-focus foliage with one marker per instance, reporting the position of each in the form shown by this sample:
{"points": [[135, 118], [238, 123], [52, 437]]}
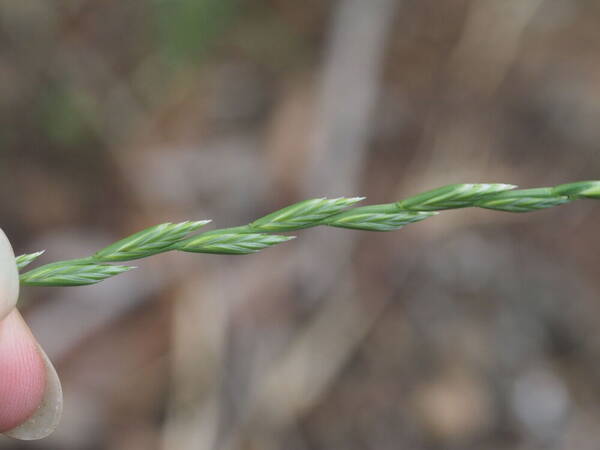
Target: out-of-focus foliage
{"points": [[188, 28]]}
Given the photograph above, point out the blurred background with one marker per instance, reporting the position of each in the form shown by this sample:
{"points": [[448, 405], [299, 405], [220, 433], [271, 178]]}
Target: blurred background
{"points": [[474, 329]]}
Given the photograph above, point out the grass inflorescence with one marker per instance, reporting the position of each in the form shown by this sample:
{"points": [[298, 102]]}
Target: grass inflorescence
{"points": [[262, 233]]}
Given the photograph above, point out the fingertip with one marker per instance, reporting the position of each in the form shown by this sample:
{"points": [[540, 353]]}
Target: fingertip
{"points": [[22, 372], [47, 416]]}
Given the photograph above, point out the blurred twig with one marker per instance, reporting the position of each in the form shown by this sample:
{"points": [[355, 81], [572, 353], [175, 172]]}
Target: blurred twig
{"points": [[342, 129]]}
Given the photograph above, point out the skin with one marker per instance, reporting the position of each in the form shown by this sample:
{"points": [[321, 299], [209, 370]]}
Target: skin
{"points": [[22, 372], [24, 369]]}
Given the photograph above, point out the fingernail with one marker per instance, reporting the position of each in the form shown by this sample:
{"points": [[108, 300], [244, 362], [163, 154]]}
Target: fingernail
{"points": [[9, 277]]}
